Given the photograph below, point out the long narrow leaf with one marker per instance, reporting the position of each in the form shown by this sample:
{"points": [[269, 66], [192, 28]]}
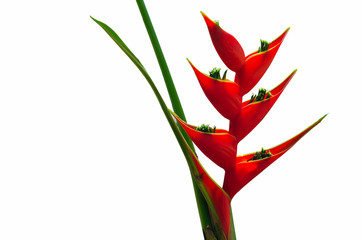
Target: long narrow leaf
{"points": [[187, 151], [120, 43]]}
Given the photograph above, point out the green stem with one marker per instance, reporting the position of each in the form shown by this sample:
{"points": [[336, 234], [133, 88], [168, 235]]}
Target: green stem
{"points": [[176, 105], [171, 89]]}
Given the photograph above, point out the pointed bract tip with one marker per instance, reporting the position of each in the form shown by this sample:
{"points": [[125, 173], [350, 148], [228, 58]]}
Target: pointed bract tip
{"points": [[285, 33], [293, 73], [287, 30], [317, 122], [325, 115], [192, 65], [320, 120], [208, 21], [203, 14]]}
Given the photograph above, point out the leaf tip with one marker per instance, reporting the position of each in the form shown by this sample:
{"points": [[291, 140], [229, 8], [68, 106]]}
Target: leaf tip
{"points": [[93, 19]]}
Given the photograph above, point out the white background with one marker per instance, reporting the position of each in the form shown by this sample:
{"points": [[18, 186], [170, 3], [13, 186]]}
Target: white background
{"points": [[86, 153]]}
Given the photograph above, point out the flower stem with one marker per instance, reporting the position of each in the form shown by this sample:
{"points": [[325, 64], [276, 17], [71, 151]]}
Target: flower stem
{"points": [[176, 105]]}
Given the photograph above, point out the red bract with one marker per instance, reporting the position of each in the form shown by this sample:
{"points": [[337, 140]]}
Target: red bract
{"points": [[256, 65], [251, 114], [220, 146], [246, 169], [224, 95], [228, 48], [250, 69], [215, 196]]}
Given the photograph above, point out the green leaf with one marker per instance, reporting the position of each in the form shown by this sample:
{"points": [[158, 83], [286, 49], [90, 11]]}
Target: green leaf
{"points": [[121, 44], [187, 151]]}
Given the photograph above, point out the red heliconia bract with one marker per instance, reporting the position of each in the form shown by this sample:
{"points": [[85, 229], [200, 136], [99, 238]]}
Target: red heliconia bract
{"points": [[228, 48], [246, 169], [252, 114], [224, 95], [256, 65], [220, 146], [215, 196]]}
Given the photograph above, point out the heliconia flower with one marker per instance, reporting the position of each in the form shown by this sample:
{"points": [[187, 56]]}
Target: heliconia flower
{"points": [[228, 48], [246, 168], [215, 196], [219, 146], [256, 65], [250, 69], [252, 114], [224, 95]]}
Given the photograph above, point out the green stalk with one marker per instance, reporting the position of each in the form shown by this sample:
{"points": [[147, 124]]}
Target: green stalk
{"points": [[175, 101], [177, 107], [171, 89]]}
